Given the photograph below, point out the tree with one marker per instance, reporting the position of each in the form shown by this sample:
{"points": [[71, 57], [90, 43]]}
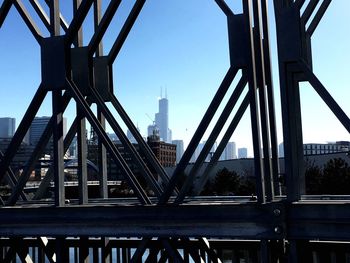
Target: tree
{"points": [[313, 178], [226, 182], [336, 177]]}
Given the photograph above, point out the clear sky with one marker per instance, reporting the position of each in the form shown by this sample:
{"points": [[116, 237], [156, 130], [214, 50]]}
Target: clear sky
{"points": [[181, 46]]}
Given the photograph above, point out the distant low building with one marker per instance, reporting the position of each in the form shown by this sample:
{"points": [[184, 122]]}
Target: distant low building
{"points": [[326, 148], [179, 149], [7, 127], [164, 152], [242, 153]]}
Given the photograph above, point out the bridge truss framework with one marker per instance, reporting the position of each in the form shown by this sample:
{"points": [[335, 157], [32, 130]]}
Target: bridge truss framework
{"points": [[174, 225]]}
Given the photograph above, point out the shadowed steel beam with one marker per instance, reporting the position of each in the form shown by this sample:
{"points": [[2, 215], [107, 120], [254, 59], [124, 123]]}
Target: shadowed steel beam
{"points": [[41, 13], [28, 20], [102, 153], [4, 10], [45, 182], [326, 97], [22, 130], [129, 147], [171, 250], [133, 183], [270, 96], [204, 243], [308, 11], [212, 138], [63, 22], [142, 144], [12, 179], [263, 103], [124, 32], [140, 250], [78, 20], [208, 116], [299, 3], [225, 139], [254, 106], [103, 25], [318, 16], [224, 7], [37, 152], [247, 221]]}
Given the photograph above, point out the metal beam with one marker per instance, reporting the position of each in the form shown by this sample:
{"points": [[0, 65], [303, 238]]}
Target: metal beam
{"points": [[28, 20], [103, 25], [212, 138], [208, 116], [129, 176], [4, 10], [124, 32]]}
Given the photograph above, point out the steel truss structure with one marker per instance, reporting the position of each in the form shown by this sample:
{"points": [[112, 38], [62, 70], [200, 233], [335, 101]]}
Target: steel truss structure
{"points": [[174, 225]]}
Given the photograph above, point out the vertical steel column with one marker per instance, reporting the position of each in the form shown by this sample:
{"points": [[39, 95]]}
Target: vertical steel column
{"points": [[263, 105], [270, 97], [254, 108], [81, 131], [289, 52], [102, 153], [57, 114]]}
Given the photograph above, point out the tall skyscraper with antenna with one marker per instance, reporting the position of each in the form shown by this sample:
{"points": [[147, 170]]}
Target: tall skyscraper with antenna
{"points": [[162, 119]]}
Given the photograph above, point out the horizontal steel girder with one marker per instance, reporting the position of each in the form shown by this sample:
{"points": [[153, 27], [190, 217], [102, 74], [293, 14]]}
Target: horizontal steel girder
{"points": [[247, 221], [303, 220]]}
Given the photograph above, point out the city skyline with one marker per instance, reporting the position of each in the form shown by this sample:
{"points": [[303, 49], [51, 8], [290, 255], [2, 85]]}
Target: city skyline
{"points": [[189, 57]]}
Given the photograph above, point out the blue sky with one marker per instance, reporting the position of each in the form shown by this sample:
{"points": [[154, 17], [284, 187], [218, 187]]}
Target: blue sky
{"points": [[181, 46]]}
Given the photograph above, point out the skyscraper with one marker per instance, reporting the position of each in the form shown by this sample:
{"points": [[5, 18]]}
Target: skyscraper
{"points": [[38, 126], [230, 152], [179, 149], [7, 127], [242, 152], [162, 120]]}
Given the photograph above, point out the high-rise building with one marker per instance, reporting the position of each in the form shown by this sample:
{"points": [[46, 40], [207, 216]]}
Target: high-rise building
{"points": [[242, 153], [281, 150], [162, 120], [230, 152], [38, 126], [7, 127], [179, 149], [199, 150], [152, 129]]}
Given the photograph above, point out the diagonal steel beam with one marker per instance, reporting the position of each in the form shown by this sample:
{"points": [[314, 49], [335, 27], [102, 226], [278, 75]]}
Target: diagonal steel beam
{"points": [[326, 97], [124, 32], [212, 138], [129, 176], [22, 130], [103, 25], [28, 20], [63, 22], [11, 178], [4, 10], [172, 250], [308, 11], [208, 116], [41, 13], [299, 3], [45, 183], [225, 139], [140, 250], [37, 152], [142, 144], [224, 7], [125, 141], [77, 21], [318, 16]]}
